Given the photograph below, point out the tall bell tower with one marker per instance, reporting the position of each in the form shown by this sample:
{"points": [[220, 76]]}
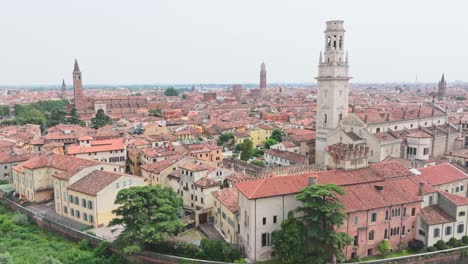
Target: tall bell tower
{"points": [[77, 87], [332, 86]]}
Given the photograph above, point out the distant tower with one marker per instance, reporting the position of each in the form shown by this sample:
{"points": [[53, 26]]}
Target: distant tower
{"points": [[442, 92], [64, 90], [332, 91], [78, 87], [263, 81]]}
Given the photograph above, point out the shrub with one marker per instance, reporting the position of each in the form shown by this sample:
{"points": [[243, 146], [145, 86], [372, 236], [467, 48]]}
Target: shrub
{"points": [[384, 247], [130, 250], [440, 245], [453, 242], [5, 258], [465, 240], [431, 249], [19, 219], [102, 249], [415, 245], [3, 182], [83, 244], [49, 260]]}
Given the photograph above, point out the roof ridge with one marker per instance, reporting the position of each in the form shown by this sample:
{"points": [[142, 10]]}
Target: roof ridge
{"points": [[258, 186]]}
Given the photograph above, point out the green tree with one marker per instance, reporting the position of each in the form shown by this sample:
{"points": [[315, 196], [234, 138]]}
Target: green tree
{"points": [[384, 247], [322, 213], [270, 142], [171, 91], [100, 120], [75, 118], [288, 241], [223, 138], [277, 135], [150, 215], [4, 111], [246, 148], [5, 258], [184, 96], [217, 250], [157, 113]]}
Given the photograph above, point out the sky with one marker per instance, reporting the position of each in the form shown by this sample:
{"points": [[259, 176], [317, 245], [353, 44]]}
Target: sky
{"points": [[221, 41]]}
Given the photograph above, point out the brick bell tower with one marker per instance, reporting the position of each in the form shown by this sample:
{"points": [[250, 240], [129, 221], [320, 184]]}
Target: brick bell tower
{"points": [[78, 88], [263, 81], [332, 87]]}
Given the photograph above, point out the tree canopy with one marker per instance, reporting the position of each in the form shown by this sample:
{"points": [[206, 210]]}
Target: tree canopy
{"points": [[4, 111], [277, 135], [246, 148], [270, 142], [156, 112], [288, 241], [74, 118], [100, 120], [171, 91], [150, 215], [223, 138], [322, 213], [45, 113]]}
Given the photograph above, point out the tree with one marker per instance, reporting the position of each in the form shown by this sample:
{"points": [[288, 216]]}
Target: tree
{"points": [[277, 135], [288, 241], [223, 138], [5, 258], [157, 112], [217, 250], [171, 91], [75, 118], [4, 111], [322, 213], [150, 215], [270, 142], [246, 148], [184, 96], [384, 247], [100, 120]]}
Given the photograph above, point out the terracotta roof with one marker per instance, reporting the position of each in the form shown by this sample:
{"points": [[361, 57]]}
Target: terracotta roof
{"points": [[94, 182], [157, 167], [434, 215], [206, 182], [442, 174], [61, 162], [228, 197], [419, 134], [456, 199], [272, 186], [98, 146]]}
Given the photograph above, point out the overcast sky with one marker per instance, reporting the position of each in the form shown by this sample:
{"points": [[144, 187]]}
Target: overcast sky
{"points": [[206, 41]]}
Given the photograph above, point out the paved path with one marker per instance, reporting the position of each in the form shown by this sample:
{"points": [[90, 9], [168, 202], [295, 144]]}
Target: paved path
{"points": [[47, 211], [210, 232]]}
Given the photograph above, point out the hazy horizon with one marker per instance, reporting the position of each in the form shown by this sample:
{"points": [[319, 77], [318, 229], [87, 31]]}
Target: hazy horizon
{"points": [[209, 41]]}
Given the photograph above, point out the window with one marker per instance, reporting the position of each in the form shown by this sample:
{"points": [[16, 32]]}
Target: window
{"points": [[77, 214], [457, 189], [426, 151], [460, 228], [70, 198], [436, 232], [201, 200], [371, 235], [85, 217], [462, 213], [421, 232], [72, 212], [83, 203], [90, 204], [413, 211], [386, 215], [373, 217], [274, 219], [65, 209], [369, 252], [404, 211], [356, 219], [264, 221], [91, 218], [266, 239], [411, 151], [430, 200], [76, 200], [385, 234], [448, 230], [403, 230]]}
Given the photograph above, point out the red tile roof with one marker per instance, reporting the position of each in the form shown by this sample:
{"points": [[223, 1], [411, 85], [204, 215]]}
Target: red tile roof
{"points": [[94, 182], [442, 174], [433, 215], [228, 197], [98, 146], [272, 186]]}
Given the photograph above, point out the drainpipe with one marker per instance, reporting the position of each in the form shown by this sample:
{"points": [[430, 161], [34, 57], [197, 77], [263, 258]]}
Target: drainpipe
{"points": [[255, 229]]}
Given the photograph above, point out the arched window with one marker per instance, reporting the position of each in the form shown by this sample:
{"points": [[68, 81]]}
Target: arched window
{"points": [[325, 118], [340, 116], [371, 235], [398, 230], [328, 41], [377, 130], [334, 42], [403, 231], [341, 42], [386, 234], [386, 216], [391, 231]]}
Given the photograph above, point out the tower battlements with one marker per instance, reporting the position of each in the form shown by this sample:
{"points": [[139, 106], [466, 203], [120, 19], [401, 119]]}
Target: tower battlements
{"points": [[335, 25]]}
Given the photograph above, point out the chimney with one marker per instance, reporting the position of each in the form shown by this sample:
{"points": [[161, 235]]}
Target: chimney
{"points": [[312, 180], [421, 188]]}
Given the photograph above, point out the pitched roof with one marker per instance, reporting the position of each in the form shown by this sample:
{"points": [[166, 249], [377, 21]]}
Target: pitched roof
{"points": [[433, 215], [442, 174], [228, 197], [98, 146], [94, 182], [61, 162], [272, 186]]}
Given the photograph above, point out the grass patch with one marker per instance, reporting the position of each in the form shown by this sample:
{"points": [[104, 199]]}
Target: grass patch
{"points": [[27, 243]]}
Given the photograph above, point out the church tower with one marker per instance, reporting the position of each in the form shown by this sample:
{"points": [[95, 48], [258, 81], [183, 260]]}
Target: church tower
{"points": [[332, 86], [263, 81], [442, 92], [64, 90], [77, 87]]}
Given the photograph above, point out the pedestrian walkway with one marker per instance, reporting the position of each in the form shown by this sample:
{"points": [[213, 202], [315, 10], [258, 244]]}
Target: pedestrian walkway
{"points": [[47, 211]]}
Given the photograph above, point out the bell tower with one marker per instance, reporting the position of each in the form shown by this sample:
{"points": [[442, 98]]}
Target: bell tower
{"points": [[332, 86], [77, 87], [263, 81]]}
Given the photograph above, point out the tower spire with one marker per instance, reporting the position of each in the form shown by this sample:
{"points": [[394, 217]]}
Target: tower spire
{"points": [[77, 67]]}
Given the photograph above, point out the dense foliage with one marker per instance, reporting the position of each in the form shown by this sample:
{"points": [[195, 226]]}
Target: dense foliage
{"points": [[415, 244], [4, 111], [384, 247], [270, 142], [289, 241], [246, 149], [322, 213], [100, 120], [150, 215], [43, 113], [277, 135], [74, 118], [157, 113], [223, 138], [171, 91], [27, 243]]}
